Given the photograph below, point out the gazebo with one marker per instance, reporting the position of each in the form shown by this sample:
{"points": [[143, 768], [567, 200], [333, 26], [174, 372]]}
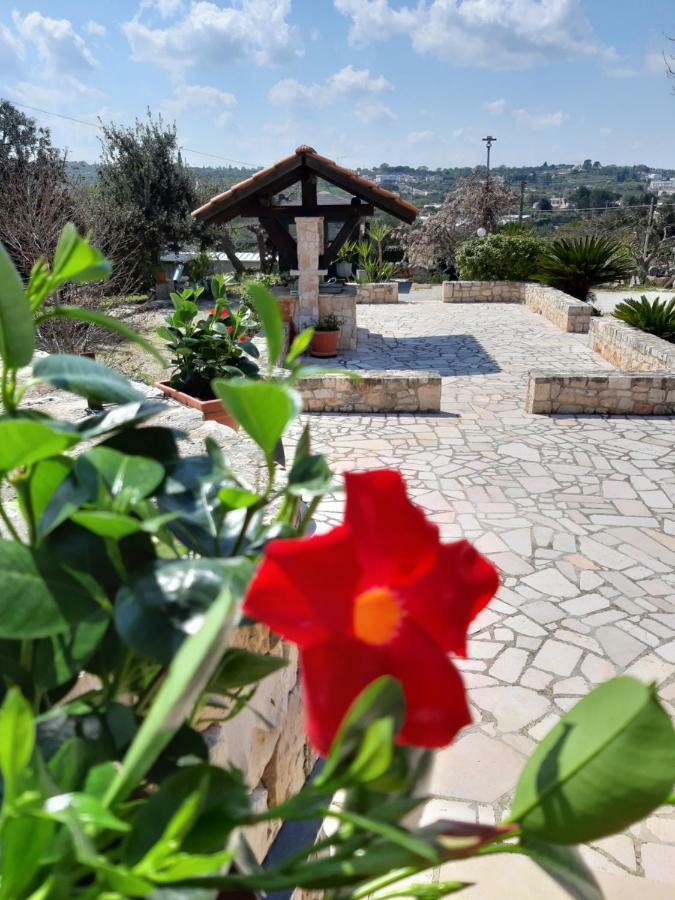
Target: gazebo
{"points": [[255, 198]]}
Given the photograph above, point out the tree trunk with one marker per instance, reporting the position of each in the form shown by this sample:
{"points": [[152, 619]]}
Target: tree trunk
{"points": [[228, 248]]}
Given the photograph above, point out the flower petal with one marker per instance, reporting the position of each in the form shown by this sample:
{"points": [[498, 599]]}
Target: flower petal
{"points": [[333, 675], [446, 599], [304, 587], [433, 688], [394, 540]]}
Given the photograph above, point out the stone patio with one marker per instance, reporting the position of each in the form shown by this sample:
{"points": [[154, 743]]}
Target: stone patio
{"points": [[577, 513]]}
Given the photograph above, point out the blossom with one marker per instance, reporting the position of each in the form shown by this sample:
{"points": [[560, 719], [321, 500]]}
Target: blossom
{"points": [[243, 338], [224, 313], [377, 595]]}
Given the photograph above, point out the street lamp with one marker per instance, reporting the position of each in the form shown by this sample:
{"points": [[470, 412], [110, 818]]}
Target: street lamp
{"points": [[489, 141]]}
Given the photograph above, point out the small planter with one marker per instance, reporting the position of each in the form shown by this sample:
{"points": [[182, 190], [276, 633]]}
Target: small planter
{"points": [[211, 410], [324, 343], [343, 269]]}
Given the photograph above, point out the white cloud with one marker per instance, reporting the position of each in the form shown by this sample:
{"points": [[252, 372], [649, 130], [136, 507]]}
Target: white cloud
{"points": [[58, 46], [620, 72], [11, 51], [95, 29], [369, 113], [415, 138], [201, 99], [539, 120], [508, 34], [347, 83], [166, 8], [496, 107], [210, 34]]}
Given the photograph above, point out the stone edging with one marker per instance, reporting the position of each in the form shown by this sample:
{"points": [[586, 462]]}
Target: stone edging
{"points": [[377, 292], [376, 391], [626, 393], [629, 348], [559, 308]]}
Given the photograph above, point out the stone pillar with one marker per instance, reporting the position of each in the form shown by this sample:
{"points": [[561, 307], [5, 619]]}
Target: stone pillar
{"points": [[310, 246]]}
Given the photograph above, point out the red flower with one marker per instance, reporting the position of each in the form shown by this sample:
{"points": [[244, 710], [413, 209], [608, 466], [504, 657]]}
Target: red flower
{"points": [[224, 313], [243, 338], [378, 595], [230, 329]]}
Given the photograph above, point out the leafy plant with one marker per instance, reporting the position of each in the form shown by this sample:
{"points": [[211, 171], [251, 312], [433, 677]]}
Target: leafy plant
{"points": [[653, 316], [500, 257], [349, 252], [376, 269], [329, 322], [575, 265], [218, 345], [200, 267]]}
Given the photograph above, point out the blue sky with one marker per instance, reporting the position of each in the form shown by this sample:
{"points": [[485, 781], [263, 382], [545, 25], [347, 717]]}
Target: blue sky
{"points": [[365, 81]]}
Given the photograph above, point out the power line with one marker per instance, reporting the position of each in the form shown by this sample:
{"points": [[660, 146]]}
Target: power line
{"points": [[183, 148]]}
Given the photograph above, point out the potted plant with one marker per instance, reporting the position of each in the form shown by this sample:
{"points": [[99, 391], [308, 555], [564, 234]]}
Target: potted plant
{"points": [[344, 267], [204, 347], [326, 336]]}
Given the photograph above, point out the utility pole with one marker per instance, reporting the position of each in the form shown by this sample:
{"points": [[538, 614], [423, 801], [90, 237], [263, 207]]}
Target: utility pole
{"points": [[650, 223], [523, 185], [489, 141]]}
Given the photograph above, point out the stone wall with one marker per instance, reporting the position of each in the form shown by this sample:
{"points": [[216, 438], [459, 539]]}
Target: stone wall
{"points": [[628, 348], [562, 310], [270, 749], [344, 307], [628, 393], [387, 391], [377, 292]]}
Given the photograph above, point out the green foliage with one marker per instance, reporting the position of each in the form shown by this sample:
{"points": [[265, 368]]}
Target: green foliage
{"points": [[329, 322], [370, 259], [500, 257], [575, 265], [199, 268], [653, 316], [204, 347]]}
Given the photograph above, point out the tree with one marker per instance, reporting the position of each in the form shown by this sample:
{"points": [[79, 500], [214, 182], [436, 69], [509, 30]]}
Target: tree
{"points": [[146, 190], [581, 198], [35, 200], [544, 204], [474, 203]]}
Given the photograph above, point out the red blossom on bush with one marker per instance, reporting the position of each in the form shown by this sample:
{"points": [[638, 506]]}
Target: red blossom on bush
{"points": [[224, 313], [378, 595]]}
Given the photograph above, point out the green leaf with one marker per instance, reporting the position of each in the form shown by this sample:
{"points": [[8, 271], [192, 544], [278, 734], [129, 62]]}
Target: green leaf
{"points": [[300, 344], [59, 658], [24, 442], [236, 497], [157, 610], [566, 866], [188, 674], [262, 408], [241, 667], [45, 478], [382, 699], [85, 377], [129, 478], [88, 810], [608, 763], [76, 260], [125, 416], [267, 308], [376, 752], [107, 524], [17, 739], [94, 317], [24, 841], [39, 596], [310, 475], [17, 332]]}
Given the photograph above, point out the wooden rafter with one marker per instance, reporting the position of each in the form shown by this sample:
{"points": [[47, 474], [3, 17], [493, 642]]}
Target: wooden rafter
{"points": [[339, 240]]}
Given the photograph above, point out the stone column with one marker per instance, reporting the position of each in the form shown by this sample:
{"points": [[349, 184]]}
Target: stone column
{"points": [[310, 246]]}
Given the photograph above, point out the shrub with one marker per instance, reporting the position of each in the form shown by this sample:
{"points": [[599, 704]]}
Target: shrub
{"points": [[575, 265], [655, 317], [500, 257]]}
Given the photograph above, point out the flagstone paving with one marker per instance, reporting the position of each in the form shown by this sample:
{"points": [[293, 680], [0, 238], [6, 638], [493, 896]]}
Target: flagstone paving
{"points": [[576, 512]]}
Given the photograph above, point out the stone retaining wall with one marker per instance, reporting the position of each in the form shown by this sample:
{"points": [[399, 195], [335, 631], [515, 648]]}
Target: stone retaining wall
{"points": [[270, 749], [344, 307], [628, 348], [628, 393], [387, 391], [377, 292], [559, 308]]}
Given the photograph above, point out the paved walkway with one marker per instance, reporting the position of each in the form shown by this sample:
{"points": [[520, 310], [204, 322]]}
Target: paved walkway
{"points": [[576, 512]]}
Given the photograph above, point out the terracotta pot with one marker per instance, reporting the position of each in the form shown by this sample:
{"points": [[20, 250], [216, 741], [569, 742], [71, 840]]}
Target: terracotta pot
{"points": [[211, 410], [286, 305], [324, 343]]}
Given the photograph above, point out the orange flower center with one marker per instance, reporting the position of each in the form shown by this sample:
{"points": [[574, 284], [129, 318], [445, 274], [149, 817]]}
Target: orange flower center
{"points": [[377, 615]]}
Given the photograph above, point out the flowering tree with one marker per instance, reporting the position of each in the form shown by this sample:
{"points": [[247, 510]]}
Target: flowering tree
{"points": [[136, 565], [472, 204]]}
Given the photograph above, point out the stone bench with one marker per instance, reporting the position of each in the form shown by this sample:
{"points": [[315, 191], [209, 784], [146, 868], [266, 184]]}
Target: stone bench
{"points": [[626, 393], [629, 348], [559, 308], [375, 391]]}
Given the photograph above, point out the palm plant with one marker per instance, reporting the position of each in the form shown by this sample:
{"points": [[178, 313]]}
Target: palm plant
{"points": [[656, 317], [375, 268], [575, 265]]}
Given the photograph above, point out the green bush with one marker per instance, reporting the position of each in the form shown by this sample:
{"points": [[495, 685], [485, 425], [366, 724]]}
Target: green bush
{"points": [[655, 317], [500, 257], [575, 265]]}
